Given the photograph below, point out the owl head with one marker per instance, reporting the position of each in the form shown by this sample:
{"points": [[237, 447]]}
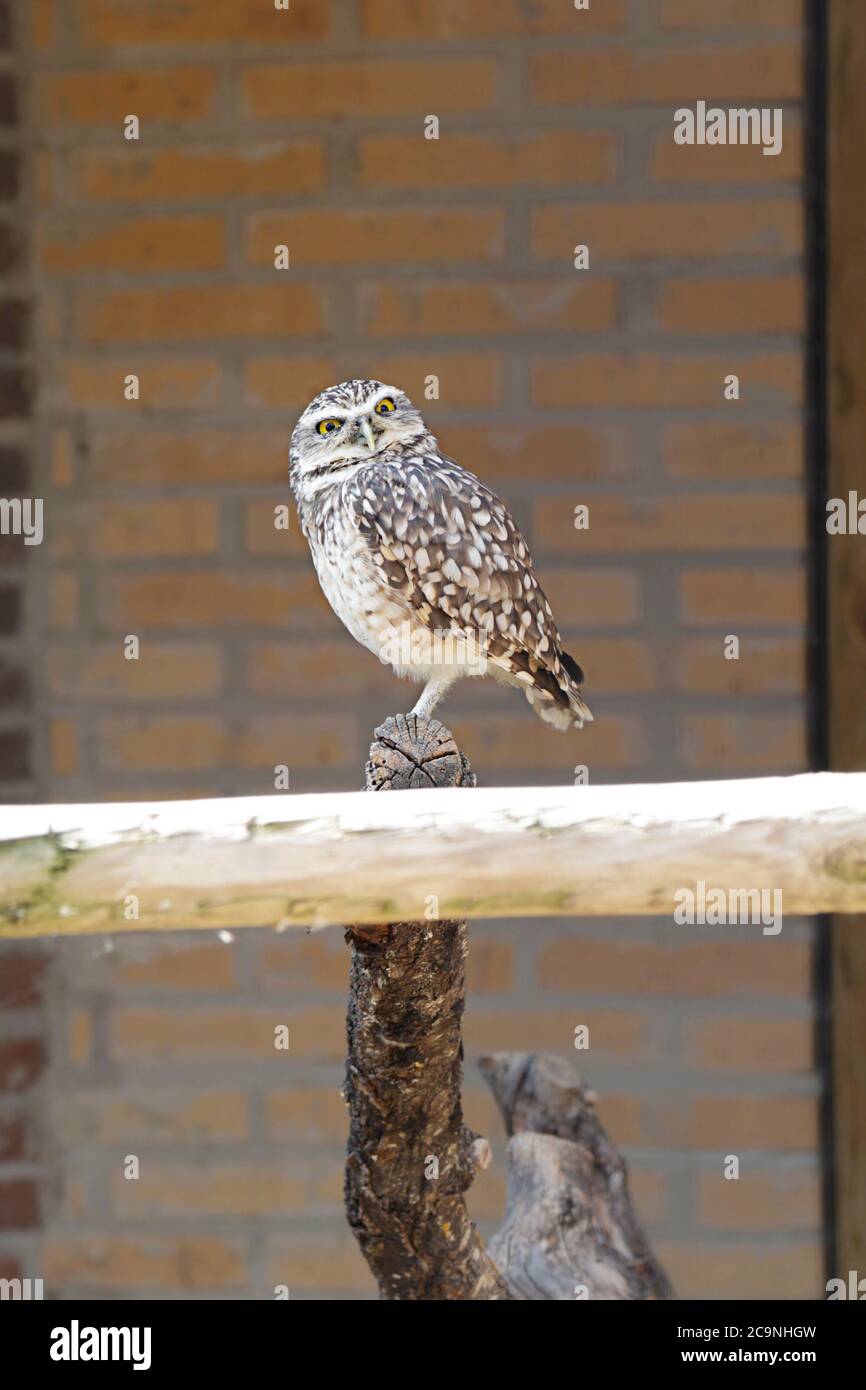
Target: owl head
{"points": [[346, 426]]}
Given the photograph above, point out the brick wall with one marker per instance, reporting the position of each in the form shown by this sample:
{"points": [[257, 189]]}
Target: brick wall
{"points": [[23, 1018], [603, 387]]}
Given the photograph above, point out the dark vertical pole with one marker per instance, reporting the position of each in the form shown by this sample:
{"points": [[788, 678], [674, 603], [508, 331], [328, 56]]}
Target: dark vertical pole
{"points": [[846, 571], [410, 1157]]}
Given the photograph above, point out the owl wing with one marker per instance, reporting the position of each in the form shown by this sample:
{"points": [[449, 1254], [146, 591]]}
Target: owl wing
{"points": [[449, 547]]}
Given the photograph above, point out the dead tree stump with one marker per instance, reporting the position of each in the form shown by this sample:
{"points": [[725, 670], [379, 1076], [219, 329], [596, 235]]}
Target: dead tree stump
{"points": [[410, 1157], [570, 1230]]}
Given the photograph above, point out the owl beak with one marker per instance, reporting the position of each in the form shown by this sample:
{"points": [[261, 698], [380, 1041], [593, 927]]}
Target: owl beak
{"points": [[367, 432]]}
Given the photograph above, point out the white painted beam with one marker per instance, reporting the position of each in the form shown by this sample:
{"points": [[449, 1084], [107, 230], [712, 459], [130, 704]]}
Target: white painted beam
{"points": [[487, 852]]}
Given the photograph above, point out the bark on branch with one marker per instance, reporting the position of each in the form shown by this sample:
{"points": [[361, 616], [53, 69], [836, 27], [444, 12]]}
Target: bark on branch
{"points": [[410, 1157], [570, 1229]]}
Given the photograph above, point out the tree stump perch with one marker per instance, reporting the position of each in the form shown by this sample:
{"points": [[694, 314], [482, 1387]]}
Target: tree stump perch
{"points": [[410, 1157], [570, 1230]]}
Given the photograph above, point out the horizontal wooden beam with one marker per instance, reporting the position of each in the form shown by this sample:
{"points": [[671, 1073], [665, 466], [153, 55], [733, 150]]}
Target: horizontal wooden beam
{"points": [[488, 852]]}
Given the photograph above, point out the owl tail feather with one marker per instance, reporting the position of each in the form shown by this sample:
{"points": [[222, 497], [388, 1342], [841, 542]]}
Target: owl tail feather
{"points": [[559, 701]]}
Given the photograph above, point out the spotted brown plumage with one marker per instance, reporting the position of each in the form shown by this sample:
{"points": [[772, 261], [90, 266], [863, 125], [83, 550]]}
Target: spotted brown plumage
{"points": [[419, 559]]}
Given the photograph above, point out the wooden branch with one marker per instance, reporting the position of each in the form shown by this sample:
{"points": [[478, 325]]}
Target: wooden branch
{"points": [[410, 1157], [496, 852], [570, 1229]]}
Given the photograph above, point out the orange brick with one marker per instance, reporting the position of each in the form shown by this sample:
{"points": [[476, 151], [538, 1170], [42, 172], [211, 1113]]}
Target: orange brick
{"points": [[757, 450], [706, 969], [732, 1123], [750, 304], [199, 171], [764, 666], [338, 1264], [106, 23], [152, 1116], [312, 91], [299, 742], [45, 167], [74, 1201], [305, 1117], [465, 378], [497, 19], [581, 304], [764, 743], [614, 665], [304, 963], [668, 231], [285, 383], [43, 23], [155, 789], [744, 1270], [622, 1033], [197, 312], [720, 164], [92, 671], [479, 1108], [622, 1117], [647, 381], [781, 1199], [140, 244], [126, 530], [517, 742], [649, 1192], [680, 523], [108, 1262], [213, 1189], [80, 1041], [515, 453], [262, 537], [483, 161], [163, 457], [750, 597], [486, 1197], [63, 461], [63, 735], [583, 598], [145, 743], [620, 665], [489, 966], [730, 14], [164, 383], [206, 1033], [627, 75], [206, 967], [766, 1044], [333, 236], [201, 598], [63, 599], [105, 98], [282, 670]]}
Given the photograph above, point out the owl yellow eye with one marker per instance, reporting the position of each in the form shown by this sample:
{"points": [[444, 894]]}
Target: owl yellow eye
{"points": [[385, 406], [328, 426]]}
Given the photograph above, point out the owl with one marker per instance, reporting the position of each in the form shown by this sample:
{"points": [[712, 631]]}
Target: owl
{"points": [[421, 562]]}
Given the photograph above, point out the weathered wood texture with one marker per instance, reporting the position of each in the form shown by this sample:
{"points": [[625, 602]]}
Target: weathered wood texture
{"points": [[570, 1229], [846, 562], [492, 852], [410, 1157]]}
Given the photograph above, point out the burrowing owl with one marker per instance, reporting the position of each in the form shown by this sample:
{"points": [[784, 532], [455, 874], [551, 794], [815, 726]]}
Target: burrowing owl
{"points": [[418, 558]]}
